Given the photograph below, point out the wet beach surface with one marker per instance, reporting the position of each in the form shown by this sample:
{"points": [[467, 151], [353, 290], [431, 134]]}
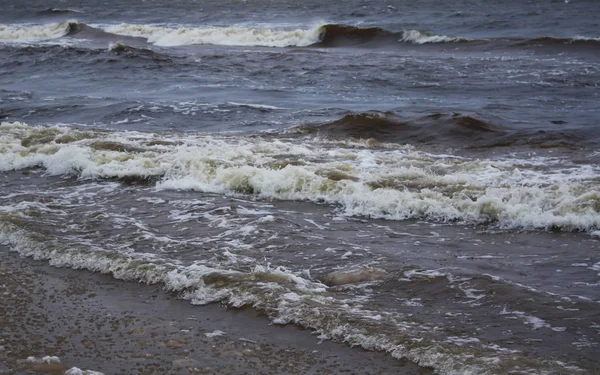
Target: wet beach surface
{"points": [[95, 322]]}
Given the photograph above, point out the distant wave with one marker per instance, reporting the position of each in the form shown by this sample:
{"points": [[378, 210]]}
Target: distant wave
{"points": [[229, 36], [28, 33], [81, 30], [387, 127], [337, 35], [57, 11], [549, 41], [470, 131], [92, 56], [329, 35], [323, 36], [33, 33]]}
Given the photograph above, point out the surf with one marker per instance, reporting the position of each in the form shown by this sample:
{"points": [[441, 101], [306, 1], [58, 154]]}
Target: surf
{"points": [[24, 33], [395, 183]]}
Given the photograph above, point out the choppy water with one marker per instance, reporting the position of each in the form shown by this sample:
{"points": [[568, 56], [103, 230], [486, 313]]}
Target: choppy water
{"points": [[241, 152]]}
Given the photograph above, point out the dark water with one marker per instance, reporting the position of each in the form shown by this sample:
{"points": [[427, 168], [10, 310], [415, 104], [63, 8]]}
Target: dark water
{"points": [[242, 151]]}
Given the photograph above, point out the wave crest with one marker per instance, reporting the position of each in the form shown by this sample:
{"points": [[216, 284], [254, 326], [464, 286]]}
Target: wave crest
{"points": [[328, 35], [553, 41], [22, 33], [471, 131], [229, 36], [387, 127], [58, 11], [333, 35]]}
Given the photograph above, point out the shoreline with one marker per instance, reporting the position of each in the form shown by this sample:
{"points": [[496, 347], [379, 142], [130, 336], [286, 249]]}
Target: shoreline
{"points": [[93, 321]]}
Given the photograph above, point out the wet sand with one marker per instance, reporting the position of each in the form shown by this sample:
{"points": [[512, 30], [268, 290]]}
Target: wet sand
{"points": [[92, 321]]}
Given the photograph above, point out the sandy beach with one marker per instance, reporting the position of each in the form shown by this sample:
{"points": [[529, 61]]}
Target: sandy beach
{"points": [[92, 321]]}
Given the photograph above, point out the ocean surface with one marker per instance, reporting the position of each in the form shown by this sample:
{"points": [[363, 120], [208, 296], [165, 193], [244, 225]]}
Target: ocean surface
{"points": [[444, 155]]}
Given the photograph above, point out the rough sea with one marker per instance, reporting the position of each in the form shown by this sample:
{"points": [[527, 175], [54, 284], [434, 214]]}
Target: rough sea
{"points": [[415, 177]]}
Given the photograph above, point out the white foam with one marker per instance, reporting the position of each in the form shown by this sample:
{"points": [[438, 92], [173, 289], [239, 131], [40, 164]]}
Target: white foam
{"points": [[64, 10], [45, 359], [534, 321], [460, 341], [228, 36], [27, 33], [424, 273], [78, 371], [586, 39], [266, 219], [394, 184], [257, 106], [419, 37], [214, 333]]}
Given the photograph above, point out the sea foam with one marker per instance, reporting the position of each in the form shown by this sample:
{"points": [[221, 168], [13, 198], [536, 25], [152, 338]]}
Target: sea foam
{"points": [[26, 33], [419, 37], [396, 184], [229, 36]]}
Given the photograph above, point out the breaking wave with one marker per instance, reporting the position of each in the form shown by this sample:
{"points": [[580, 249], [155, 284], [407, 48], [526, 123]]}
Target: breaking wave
{"points": [[229, 36], [419, 37], [338, 35], [396, 183], [27, 33], [39, 33], [33, 33], [328, 35]]}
